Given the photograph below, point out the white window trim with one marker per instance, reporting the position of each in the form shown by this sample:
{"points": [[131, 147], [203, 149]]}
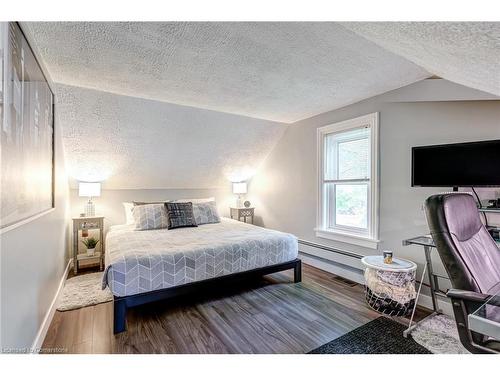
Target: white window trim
{"points": [[371, 240]]}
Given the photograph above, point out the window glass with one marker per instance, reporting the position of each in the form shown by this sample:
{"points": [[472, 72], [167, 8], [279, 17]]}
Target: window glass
{"points": [[351, 206], [347, 155], [353, 159]]}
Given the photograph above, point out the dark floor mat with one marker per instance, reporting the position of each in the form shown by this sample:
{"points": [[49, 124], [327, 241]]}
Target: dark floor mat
{"points": [[380, 336]]}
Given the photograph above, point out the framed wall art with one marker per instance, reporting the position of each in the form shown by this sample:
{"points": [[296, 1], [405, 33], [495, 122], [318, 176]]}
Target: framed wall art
{"points": [[27, 131]]}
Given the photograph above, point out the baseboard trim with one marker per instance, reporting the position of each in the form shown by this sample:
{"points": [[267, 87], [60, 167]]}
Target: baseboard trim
{"points": [[332, 267], [44, 327]]}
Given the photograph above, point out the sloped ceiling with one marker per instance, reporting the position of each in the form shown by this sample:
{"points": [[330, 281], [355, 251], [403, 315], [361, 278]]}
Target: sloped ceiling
{"points": [[275, 71], [467, 53], [133, 143], [137, 101]]}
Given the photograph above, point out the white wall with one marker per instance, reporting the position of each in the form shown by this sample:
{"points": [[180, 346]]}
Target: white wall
{"points": [[33, 260], [284, 190]]}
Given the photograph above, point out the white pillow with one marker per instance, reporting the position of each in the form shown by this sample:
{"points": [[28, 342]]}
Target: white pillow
{"points": [[195, 200], [129, 218]]}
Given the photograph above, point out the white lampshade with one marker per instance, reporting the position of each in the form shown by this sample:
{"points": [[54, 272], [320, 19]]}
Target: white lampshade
{"points": [[239, 187], [89, 189]]}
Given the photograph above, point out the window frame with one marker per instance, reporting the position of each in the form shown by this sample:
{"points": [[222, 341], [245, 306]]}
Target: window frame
{"points": [[366, 238]]}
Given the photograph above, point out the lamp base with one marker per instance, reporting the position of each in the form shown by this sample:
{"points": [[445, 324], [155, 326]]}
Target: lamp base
{"points": [[238, 202], [90, 208]]}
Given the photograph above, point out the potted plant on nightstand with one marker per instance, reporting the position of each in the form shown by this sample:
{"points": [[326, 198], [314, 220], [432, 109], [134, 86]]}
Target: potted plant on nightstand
{"points": [[90, 243]]}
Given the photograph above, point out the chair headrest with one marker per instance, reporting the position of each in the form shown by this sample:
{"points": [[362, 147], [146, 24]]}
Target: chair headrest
{"points": [[461, 215]]}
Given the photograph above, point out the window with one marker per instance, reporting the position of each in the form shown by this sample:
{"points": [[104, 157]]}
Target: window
{"points": [[347, 165]]}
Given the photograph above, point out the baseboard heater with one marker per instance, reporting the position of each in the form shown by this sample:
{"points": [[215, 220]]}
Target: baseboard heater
{"points": [[332, 249]]}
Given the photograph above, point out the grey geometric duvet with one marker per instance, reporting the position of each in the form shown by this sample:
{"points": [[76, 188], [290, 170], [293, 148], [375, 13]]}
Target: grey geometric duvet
{"points": [[142, 261]]}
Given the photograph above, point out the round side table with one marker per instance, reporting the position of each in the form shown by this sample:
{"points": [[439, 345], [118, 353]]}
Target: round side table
{"points": [[390, 288]]}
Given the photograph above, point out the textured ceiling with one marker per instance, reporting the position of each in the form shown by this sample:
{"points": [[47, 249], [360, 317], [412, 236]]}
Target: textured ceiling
{"points": [[132, 143], [116, 82], [467, 53], [276, 71]]}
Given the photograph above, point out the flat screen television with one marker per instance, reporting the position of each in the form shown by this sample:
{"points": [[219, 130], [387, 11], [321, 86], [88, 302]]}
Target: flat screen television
{"points": [[457, 164]]}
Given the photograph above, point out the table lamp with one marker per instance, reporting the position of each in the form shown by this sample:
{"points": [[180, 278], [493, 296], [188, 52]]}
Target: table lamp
{"points": [[90, 190], [239, 188]]}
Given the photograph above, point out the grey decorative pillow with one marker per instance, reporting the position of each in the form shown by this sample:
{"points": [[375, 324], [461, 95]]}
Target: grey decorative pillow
{"points": [[150, 216], [180, 215], [206, 213]]}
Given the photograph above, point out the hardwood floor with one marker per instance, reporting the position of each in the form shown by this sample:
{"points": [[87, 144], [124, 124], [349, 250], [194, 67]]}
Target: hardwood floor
{"points": [[267, 315]]}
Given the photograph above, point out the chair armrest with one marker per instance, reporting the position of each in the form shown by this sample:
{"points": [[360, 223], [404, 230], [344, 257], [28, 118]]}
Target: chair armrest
{"points": [[467, 295]]}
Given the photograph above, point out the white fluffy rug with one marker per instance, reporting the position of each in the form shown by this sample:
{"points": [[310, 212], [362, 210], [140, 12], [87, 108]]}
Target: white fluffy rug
{"points": [[85, 290], [439, 335]]}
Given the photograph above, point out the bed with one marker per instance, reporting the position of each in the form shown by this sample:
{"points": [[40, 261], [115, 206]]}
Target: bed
{"points": [[146, 266]]}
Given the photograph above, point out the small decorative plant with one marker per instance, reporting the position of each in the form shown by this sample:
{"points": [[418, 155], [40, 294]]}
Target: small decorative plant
{"points": [[90, 243]]}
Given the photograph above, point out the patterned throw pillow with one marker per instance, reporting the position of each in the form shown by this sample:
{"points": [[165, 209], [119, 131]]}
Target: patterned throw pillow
{"points": [[150, 216], [180, 215], [206, 213]]}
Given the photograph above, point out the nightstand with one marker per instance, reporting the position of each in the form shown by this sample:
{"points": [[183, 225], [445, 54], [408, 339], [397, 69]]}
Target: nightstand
{"points": [[88, 223], [239, 213]]}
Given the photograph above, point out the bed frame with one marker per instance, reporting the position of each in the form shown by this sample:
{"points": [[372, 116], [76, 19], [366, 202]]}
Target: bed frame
{"points": [[121, 304]]}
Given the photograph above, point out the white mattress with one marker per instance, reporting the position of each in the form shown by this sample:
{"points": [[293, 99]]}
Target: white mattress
{"points": [[142, 261]]}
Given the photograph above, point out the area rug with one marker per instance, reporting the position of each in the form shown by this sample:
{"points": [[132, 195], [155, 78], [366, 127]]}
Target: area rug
{"points": [[439, 335], [82, 291], [380, 336]]}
